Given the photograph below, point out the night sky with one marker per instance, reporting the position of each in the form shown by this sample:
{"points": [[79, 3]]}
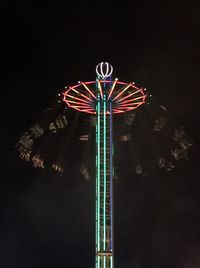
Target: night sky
{"points": [[48, 220]]}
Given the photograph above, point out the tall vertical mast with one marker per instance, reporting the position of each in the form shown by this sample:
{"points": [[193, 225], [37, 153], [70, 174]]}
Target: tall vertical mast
{"points": [[104, 177], [103, 98]]}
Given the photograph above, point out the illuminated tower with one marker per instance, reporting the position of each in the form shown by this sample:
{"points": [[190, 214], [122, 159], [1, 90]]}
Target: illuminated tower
{"points": [[103, 98], [158, 139]]}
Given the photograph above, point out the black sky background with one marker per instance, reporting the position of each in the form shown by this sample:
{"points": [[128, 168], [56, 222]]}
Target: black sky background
{"points": [[47, 220]]}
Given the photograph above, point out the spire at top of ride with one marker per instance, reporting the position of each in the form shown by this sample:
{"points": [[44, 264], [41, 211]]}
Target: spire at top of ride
{"points": [[104, 70]]}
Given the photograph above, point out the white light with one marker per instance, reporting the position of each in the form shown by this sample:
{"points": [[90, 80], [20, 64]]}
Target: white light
{"points": [[104, 69]]}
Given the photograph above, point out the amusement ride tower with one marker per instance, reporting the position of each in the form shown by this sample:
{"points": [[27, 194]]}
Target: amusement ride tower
{"points": [[103, 98], [159, 139]]}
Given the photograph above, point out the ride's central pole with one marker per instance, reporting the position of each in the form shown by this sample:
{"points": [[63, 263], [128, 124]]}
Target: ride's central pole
{"points": [[104, 181], [104, 98]]}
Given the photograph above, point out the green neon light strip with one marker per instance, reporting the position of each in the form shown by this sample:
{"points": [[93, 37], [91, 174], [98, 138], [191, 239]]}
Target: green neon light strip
{"points": [[96, 188], [98, 185], [97, 193], [104, 121], [98, 172], [111, 261]]}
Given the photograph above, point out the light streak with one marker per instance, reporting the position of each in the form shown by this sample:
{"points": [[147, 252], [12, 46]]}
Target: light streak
{"points": [[87, 88], [128, 101], [121, 92], [66, 101], [81, 107], [111, 179], [111, 91], [130, 104], [129, 95], [118, 111], [86, 110], [77, 102], [98, 171], [86, 97], [74, 90], [100, 89], [98, 185], [132, 100], [73, 97]]}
